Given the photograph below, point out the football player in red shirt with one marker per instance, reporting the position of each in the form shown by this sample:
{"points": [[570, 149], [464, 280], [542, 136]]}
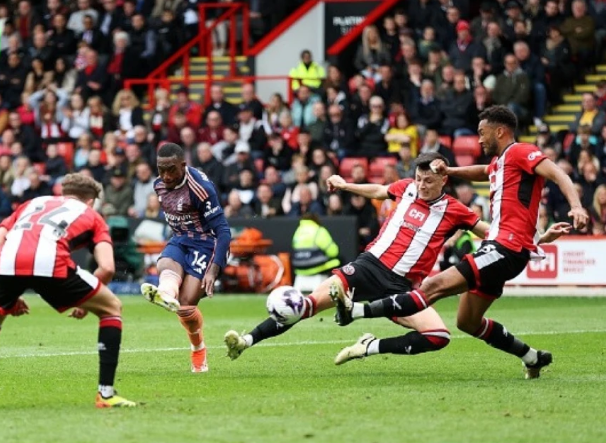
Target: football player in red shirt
{"points": [[517, 174], [401, 256], [36, 242]]}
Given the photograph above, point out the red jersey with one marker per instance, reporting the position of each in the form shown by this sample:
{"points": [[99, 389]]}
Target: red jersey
{"points": [[413, 235], [515, 194], [42, 233]]}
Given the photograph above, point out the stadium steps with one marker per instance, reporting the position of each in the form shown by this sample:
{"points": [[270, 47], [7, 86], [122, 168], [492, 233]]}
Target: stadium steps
{"points": [[562, 116]]}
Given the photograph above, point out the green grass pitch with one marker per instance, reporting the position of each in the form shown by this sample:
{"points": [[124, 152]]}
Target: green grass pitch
{"points": [[289, 390]]}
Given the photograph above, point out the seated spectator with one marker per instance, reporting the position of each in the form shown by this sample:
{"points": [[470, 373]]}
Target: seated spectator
{"points": [[153, 210], [590, 115], [64, 77], [368, 225], [274, 110], [556, 56], [307, 72], [316, 129], [174, 132], [535, 71], [83, 146], [371, 54], [21, 179], [335, 79], [468, 196], [446, 81], [25, 111], [480, 75], [458, 109], [252, 132], [319, 159], [5, 205], [337, 97], [305, 204], [406, 165], [372, 129], [265, 204], [212, 132], [12, 80], [323, 175], [62, 39], [95, 167], [292, 194], [242, 161], [144, 186], [590, 179], [358, 174], [250, 99], [277, 154], [36, 188], [93, 78], [229, 112], [583, 141], [100, 121], [497, 46], [432, 143], [512, 89], [288, 131], [432, 69], [118, 194], [402, 132], [127, 113], [38, 78], [91, 35], [545, 138], [360, 103], [271, 177], [55, 166], [159, 119], [338, 133], [188, 142], [597, 211], [235, 208], [76, 19], [143, 42], [224, 151], [183, 104], [425, 110], [207, 163], [302, 107], [335, 205], [246, 186], [6, 171], [26, 136]]}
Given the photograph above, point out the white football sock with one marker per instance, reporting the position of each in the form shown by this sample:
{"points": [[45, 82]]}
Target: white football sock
{"points": [[358, 310], [373, 347], [106, 391], [249, 340], [530, 358]]}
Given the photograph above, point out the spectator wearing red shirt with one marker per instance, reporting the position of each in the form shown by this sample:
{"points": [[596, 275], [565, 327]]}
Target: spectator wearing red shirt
{"points": [[191, 109], [212, 132]]}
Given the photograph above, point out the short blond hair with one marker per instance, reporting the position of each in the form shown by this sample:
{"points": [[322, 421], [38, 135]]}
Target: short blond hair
{"points": [[80, 186]]}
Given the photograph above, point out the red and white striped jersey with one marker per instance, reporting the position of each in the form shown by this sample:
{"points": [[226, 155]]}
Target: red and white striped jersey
{"points": [[412, 237], [42, 233], [515, 194]]}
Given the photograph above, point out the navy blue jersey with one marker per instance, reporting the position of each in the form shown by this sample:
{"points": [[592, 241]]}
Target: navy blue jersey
{"points": [[193, 211]]}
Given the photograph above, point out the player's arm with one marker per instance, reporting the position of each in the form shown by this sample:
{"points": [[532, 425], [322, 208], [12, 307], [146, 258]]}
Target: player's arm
{"points": [[104, 257], [480, 229], [554, 232], [476, 173], [379, 192], [550, 171]]}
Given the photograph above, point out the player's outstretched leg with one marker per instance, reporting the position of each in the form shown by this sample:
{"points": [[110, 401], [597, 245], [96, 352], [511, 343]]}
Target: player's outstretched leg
{"points": [[107, 307], [430, 335], [165, 294], [470, 319], [317, 301], [192, 321]]}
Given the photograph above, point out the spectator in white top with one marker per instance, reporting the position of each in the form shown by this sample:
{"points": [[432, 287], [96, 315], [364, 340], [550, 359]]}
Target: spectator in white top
{"points": [[76, 20]]}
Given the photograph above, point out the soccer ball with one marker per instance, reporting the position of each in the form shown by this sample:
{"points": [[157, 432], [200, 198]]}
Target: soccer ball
{"points": [[285, 305]]}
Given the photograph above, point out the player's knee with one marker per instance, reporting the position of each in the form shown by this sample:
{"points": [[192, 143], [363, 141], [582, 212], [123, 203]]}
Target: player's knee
{"points": [[437, 339], [467, 326]]}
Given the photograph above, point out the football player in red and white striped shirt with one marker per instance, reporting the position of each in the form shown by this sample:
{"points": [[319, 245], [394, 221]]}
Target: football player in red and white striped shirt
{"points": [[36, 242], [516, 174], [402, 255]]}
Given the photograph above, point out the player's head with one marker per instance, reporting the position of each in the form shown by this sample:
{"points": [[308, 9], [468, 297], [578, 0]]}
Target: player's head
{"points": [[496, 129], [429, 184], [82, 187], [171, 164]]}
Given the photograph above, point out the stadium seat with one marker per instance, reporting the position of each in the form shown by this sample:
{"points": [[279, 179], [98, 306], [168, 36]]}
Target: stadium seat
{"points": [[66, 150], [378, 165], [466, 145], [446, 141], [348, 163], [465, 160]]}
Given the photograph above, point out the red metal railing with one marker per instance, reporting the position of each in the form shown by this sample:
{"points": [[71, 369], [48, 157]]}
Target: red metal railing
{"points": [[204, 42], [165, 83]]}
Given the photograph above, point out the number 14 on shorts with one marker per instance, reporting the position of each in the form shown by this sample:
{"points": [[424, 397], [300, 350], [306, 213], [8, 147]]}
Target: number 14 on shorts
{"points": [[199, 262]]}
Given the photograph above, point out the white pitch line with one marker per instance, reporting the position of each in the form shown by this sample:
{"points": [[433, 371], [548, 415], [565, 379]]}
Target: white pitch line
{"points": [[271, 345]]}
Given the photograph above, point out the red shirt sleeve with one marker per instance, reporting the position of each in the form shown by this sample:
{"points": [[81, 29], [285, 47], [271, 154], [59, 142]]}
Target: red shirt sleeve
{"points": [[100, 230], [527, 156], [466, 218], [396, 189]]}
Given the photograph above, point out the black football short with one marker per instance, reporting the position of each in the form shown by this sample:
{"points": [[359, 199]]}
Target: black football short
{"points": [[490, 267], [370, 279], [60, 293]]}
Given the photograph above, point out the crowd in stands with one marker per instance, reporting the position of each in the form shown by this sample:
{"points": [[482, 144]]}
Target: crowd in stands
{"points": [[422, 76]]}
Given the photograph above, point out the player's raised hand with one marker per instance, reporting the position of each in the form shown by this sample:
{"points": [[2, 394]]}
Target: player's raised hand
{"points": [[555, 231], [335, 182], [579, 217], [439, 167], [208, 282], [20, 308], [78, 313]]}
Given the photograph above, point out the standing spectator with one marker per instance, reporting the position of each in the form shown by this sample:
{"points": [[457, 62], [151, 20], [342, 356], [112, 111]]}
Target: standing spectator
{"points": [[142, 45], [109, 21], [464, 49], [535, 71], [458, 109], [580, 32], [512, 88], [307, 72], [497, 46], [26, 20]]}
